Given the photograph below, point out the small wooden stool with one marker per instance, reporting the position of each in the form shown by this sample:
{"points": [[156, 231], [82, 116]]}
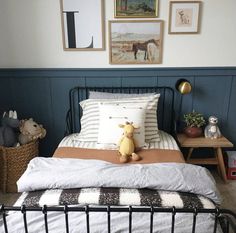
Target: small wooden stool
{"points": [[202, 142]]}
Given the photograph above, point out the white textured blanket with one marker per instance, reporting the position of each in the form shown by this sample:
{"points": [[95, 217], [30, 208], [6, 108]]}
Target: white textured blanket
{"points": [[55, 173]]}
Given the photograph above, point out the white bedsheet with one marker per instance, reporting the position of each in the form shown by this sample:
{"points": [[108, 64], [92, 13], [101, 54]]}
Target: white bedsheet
{"points": [[166, 142]]}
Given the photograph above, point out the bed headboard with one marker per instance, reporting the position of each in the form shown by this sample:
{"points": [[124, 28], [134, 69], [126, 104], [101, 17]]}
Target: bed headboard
{"points": [[165, 111]]}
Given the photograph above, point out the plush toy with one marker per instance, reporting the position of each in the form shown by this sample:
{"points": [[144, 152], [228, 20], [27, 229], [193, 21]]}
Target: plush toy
{"points": [[127, 143], [212, 130], [8, 137], [30, 130]]}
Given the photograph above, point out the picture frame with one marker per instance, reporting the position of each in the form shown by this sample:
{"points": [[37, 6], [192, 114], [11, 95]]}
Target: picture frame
{"points": [[135, 41], [83, 25], [184, 17], [136, 8]]}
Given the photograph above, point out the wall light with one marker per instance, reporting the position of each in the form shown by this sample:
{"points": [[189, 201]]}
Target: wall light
{"points": [[183, 86]]}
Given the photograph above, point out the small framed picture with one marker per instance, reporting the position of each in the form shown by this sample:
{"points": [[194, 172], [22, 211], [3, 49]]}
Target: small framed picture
{"points": [[136, 9], [135, 41], [184, 17], [83, 25]]}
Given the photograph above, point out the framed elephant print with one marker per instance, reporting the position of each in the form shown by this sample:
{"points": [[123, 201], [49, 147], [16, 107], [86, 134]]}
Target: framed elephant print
{"points": [[135, 41]]}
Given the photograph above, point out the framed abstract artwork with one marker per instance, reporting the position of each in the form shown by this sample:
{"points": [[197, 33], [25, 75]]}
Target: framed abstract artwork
{"points": [[184, 17], [135, 41], [83, 24], [136, 8]]}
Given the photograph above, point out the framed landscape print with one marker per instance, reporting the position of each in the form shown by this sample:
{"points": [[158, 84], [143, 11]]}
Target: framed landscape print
{"points": [[83, 24], [136, 8], [184, 17], [135, 41]]}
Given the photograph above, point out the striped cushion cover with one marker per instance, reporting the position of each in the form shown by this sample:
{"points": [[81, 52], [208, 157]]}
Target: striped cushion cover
{"points": [[90, 118], [108, 95]]}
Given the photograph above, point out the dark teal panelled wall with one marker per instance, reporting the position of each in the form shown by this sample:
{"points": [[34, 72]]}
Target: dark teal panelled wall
{"points": [[43, 93]]}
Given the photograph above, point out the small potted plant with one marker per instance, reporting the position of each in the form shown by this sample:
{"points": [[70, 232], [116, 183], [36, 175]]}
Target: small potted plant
{"points": [[194, 122]]}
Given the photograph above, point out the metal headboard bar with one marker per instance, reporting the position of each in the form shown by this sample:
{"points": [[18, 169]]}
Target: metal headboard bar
{"points": [[165, 109]]}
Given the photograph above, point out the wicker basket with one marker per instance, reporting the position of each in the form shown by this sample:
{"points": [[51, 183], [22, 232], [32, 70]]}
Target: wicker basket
{"points": [[13, 163]]}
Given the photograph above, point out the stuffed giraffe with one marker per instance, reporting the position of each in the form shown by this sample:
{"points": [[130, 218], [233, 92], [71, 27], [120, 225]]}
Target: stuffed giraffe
{"points": [[127, 143]]}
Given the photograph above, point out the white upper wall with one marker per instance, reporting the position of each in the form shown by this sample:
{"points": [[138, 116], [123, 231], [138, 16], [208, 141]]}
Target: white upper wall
{"points": [[31, 37]]}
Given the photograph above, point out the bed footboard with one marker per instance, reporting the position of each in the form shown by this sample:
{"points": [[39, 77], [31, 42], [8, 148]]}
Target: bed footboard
{"points": [[226, 218]]}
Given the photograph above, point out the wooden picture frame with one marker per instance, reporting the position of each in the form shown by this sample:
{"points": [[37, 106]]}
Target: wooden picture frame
{"points": [[184, 17], [135, 41], [136, 9], [83, 25]]}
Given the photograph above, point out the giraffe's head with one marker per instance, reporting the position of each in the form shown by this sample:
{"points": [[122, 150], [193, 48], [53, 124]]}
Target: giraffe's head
{"points": [[129, 128]]}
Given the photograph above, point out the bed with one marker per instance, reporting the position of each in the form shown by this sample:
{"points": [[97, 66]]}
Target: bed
{"points": [[84, 188]]}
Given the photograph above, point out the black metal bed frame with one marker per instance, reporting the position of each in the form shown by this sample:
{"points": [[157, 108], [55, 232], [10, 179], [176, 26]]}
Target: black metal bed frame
{"points": [[226, 218]]}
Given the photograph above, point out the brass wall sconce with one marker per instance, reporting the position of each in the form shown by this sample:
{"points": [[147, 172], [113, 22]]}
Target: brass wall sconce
{"points": [[183, 86]]}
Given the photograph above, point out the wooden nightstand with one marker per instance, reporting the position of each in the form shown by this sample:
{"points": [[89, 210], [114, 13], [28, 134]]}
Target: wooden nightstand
{"points": [[202, 142]]}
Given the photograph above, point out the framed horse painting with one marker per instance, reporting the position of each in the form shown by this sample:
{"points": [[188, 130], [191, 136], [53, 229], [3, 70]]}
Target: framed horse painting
{"points": [[83, 24], [135, 41]]}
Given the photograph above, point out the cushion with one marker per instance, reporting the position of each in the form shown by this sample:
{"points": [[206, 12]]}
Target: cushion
{"points": [[90, 117], [108, 95], [112, 115]]}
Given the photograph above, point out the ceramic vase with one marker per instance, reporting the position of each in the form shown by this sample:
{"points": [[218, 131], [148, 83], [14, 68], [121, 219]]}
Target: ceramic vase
{"points": [[193, 132]]}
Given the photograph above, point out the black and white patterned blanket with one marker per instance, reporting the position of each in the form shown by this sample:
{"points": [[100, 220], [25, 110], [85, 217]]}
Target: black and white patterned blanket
{"points": [[114, 196]]}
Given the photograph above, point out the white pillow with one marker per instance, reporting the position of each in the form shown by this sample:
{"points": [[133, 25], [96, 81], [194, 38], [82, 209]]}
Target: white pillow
{"points": [[112, 115], [90, 117]]}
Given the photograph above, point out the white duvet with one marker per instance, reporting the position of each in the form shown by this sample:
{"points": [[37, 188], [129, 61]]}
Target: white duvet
{"points": [[53, 173], [56, 173]]}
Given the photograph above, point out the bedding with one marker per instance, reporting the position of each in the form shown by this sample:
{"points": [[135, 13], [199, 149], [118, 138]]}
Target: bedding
{"points": [[167, 142], [90, 117], [148, 156], [69, 181], [56, 173], [166, 150], [114, 197]]}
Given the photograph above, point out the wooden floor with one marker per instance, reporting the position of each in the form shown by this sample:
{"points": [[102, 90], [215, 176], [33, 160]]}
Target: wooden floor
{"points": [[227, 191]]}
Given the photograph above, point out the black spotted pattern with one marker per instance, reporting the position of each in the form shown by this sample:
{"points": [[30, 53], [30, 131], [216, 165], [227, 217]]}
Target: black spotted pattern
{"points": [[109, 196], [69, 197], [190, 200], [149, 197], [32, 198]]}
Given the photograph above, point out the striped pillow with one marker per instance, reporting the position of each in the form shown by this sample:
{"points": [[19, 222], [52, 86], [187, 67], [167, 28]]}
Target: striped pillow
{"points": [[90, 118], [108, 95]]}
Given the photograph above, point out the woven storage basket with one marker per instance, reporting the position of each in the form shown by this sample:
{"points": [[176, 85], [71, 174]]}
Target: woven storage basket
{"points": [[13, 163]]}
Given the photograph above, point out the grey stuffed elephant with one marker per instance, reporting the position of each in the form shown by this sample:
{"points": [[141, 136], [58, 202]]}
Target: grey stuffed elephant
{"points": [[8, 137]]}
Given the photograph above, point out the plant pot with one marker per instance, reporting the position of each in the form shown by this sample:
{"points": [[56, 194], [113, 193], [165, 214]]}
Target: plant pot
{"points": [[193, 132]]}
